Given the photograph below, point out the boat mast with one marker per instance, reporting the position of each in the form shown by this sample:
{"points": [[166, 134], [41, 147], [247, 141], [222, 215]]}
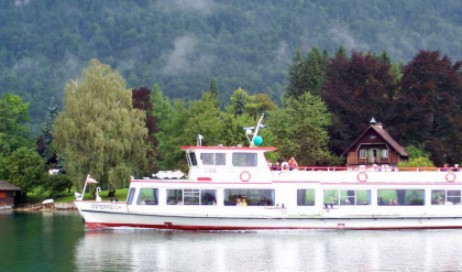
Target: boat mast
{"points": [[255, 134]]}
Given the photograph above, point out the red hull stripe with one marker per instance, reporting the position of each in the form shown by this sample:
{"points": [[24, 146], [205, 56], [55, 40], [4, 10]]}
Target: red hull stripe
{"points": [[169, 226], [204, 178]]}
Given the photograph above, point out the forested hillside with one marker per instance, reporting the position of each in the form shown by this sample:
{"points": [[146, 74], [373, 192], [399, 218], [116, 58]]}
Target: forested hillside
{"points": [[182, 44]]}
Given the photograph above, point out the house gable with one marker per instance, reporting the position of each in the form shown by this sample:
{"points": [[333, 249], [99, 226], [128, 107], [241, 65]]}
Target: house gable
{"points": [[375, 146]]}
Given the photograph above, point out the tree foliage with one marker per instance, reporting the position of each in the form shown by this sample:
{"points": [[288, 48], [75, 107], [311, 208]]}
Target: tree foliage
{"points": [[14, 114], [429, 106], [300, 130], [306, 73], [181, 44], [98, 131], [45, 140], [355, 90], [417, 157], [13, 127], [142, 101], [25, 168]]}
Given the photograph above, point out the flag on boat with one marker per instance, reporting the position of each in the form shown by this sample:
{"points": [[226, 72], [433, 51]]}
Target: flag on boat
{"points": [[90, 179]]}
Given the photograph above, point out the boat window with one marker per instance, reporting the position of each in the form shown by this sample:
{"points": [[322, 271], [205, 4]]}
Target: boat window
{"points": [[148, 196], [175, 197], [347, 197], [208, 197], [250, 197], [191, 197], [191, 156], [244, 159], [446, 197], [305, 197], [213, 158], [131, 194], [401, 197]]}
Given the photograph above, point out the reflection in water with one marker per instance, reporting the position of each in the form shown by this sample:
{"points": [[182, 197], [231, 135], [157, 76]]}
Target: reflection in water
{"points": [[150, 250]]}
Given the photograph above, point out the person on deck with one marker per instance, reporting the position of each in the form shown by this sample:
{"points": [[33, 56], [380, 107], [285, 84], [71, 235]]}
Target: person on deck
{"points": [[293, 165]]}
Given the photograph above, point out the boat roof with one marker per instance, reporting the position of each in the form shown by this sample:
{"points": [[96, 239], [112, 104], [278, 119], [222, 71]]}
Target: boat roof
{"points": [[227, 148]]}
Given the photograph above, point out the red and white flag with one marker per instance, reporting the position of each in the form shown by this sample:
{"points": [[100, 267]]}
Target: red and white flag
{"points": [[90, 179]]}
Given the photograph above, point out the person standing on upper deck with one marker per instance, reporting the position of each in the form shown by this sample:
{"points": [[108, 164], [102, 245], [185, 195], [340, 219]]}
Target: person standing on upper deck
{"points": [[293, 165]]}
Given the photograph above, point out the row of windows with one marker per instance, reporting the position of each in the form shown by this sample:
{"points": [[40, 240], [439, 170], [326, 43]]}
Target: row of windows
{"points": [[305, 197], [238, 159], [378, 152]]}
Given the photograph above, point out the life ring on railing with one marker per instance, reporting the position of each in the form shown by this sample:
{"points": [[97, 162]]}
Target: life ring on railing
{"points": [[362, 176], [450, 177], [245, 176]]}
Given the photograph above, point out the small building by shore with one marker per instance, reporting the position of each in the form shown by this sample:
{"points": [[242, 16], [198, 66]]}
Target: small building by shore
{"points": [[9, 194]]}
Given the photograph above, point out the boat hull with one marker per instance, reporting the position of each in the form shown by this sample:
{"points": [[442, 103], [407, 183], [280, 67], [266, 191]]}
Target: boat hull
{"points": [[119, 217]]}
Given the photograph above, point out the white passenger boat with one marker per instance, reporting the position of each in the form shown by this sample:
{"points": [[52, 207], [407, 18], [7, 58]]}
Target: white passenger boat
{"points": [[233, 188]]}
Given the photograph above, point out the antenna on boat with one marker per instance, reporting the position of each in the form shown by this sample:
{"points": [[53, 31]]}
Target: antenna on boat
{"points": [[256, 140], [199, 140]]}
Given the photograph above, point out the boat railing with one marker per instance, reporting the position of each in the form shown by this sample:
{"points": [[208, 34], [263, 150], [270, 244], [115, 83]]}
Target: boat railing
{"points": [[373, 168]]}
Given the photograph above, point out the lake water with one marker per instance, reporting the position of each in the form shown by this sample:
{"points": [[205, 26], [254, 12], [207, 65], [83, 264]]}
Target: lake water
{"points": [[58, 241]]}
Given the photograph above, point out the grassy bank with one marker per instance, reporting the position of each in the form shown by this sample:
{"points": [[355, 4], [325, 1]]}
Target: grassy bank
{"points": [[120, 194]]}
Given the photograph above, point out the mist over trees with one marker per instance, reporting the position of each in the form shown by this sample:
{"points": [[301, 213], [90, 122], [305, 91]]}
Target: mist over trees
{"points": [[80, 69], [181, 45]]}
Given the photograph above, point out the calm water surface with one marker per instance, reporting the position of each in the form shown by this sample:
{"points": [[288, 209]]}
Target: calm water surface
{"points": [[57, 241]]}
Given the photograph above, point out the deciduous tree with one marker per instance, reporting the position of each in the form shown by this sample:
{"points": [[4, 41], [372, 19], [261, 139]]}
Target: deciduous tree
{"points": [[356, 89], [429, 106], [300, 129], [99, 131], [13, 130], [25, 168]]}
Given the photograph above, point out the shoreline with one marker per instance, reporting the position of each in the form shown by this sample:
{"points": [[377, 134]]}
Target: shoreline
{"points": [[46, 207]]}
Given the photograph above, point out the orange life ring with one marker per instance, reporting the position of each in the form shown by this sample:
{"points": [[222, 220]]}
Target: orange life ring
{"points": [[450, 177], [362, 176], [245, 176]]}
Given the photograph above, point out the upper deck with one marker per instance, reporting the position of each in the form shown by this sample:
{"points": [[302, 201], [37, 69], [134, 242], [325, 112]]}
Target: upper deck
{"points": [[237, 164]]}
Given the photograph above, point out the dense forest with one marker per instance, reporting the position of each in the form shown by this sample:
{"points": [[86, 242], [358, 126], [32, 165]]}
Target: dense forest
{"points": [[113, 88], [180, 45]]}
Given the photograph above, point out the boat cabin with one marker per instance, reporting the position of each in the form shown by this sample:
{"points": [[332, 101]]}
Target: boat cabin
{"points": [[375, 146], [228, 164]]}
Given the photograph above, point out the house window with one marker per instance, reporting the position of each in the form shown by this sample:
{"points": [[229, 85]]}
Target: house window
{"points": [[362, 153], [385, 153]]}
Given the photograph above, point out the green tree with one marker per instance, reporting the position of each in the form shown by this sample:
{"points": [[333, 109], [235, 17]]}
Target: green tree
{"points": [[98, 131], [300, 130], [162, 111], [306, 74], [204, 118], [417, 157], [13, 130], [239, 100], [214, 91], [315, 70], [57, 184], [259, 104], [297, 83], [44, 142], [25, 168], [171, 137]]}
